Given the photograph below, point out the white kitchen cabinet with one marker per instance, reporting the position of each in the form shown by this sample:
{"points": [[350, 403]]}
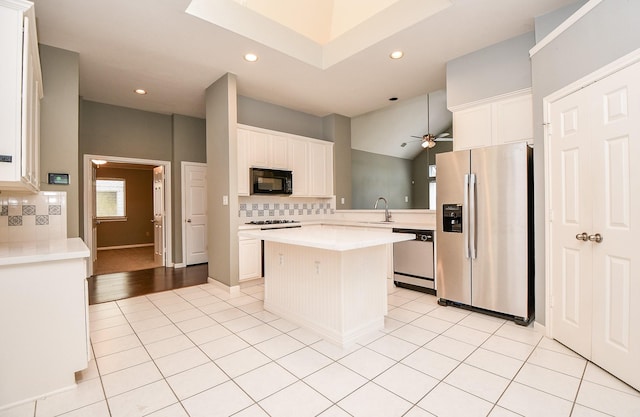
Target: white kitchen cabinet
{"points": [[320, 169], [299, 164], [249, 259], [20, 100], [310, 160], [267, 150], [44, 318], [506, 119]]}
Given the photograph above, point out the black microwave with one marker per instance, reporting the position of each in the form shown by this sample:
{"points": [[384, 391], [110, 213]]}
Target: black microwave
{"points": [[271, 181]]}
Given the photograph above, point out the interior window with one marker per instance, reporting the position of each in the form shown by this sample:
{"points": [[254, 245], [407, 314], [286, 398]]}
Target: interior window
{"points": [[110, 198]]}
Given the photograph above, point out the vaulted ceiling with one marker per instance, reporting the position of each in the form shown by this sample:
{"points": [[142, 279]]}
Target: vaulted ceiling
{"points": [[176, 48]]}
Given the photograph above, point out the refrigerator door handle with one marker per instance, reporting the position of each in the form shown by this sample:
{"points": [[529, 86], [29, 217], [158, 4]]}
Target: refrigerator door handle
{"points": [[465, 217], [472, 216]]}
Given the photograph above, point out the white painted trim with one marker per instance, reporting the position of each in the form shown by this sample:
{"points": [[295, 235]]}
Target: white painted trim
{"points": [[609, 69], [88, 202], [180, 265], [231, 290], [579, 14], [139, 245], [492, 99], [183, 206]]}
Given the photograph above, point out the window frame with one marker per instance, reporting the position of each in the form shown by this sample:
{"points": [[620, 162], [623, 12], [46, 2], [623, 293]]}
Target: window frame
{"points": [[124, 200]]}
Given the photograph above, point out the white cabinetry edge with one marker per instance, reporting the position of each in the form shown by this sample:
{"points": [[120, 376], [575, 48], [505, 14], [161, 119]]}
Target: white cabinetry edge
{"points": [[492, 99], [42, 251]]}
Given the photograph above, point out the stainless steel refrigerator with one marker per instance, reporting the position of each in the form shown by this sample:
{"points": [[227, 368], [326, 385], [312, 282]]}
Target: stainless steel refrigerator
{"points": [[484, 232]]}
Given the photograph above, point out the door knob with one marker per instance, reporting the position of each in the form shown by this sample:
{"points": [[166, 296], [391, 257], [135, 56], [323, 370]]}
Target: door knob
{"points": [[582, 236], [188, 220], [596, 238]]}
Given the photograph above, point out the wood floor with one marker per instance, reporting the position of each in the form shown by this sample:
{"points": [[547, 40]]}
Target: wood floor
{"points": [[116, 286]]}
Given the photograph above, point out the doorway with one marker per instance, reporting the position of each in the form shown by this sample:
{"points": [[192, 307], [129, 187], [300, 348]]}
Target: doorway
{"points": [[125, 245]]}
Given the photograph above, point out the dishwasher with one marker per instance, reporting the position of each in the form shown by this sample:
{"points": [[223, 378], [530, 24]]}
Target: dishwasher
{"points": [[413, 265]]}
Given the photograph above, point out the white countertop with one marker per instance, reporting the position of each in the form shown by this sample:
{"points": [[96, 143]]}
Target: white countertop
{"points": [[331, 239], [367, 224], [16, 253]]}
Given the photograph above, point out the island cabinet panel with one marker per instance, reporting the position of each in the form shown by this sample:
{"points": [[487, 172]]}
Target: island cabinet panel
{"points": [[341, 295]]}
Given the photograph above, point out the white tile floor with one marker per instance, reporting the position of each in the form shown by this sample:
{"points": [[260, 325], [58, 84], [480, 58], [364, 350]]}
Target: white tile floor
{"points": [[198, 351]]}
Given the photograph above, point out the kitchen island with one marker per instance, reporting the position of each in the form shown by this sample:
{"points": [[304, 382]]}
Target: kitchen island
{"points": [[332, 281], [43, 317]]}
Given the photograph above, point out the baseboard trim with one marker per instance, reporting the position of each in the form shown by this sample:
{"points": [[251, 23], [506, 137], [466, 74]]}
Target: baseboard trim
{"points": [[139, 245], [179, 265], [231, 290]]}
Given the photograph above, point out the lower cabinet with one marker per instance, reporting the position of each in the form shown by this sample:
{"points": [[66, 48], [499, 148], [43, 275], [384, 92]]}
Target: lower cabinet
{"points": [[249, 259], [44, 322]]}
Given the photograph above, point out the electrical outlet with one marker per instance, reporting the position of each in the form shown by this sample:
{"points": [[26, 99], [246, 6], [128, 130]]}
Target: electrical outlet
{"points": [[225, 200], [342, 200], [317, 265], [406, 198]]}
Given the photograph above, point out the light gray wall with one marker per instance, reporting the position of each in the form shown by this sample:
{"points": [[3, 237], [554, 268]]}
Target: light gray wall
{"points": [[607, 33], [488, 72], [222, 149], [189, 144], [337, 129], [375, 175], [270, 116], [121, 131], [59, 127], [547, 23]]}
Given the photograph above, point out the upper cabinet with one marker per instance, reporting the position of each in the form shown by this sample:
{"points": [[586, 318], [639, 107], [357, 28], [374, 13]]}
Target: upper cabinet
{"points": [[506, 119], [310, 160], [20, 97]]}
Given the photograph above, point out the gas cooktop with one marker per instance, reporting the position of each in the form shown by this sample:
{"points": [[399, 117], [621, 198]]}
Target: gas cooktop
{"points": [[272, 221]]}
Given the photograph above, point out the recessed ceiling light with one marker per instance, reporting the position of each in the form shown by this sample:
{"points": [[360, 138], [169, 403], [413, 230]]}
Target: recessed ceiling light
{"points": [[251, 57], [140, 91], [396, 54]]}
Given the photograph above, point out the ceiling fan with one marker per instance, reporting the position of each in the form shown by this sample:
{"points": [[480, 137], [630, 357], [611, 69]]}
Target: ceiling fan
{"points": [[428, 140]]}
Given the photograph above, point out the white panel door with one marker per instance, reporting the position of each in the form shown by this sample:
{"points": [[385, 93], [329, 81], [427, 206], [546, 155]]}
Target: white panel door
{"points": [[594, 182], [298, 153], [616, 211], [195, 214], [571, 216], [158, 215]]}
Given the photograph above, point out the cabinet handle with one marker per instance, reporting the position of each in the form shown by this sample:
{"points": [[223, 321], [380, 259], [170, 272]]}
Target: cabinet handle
{"points": [[582, 236], [596, 238]]}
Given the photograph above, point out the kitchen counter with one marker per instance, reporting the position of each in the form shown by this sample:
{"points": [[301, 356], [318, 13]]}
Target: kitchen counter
{"points": [[17, 253], [331, 280], [326, 238], [352, 223]]}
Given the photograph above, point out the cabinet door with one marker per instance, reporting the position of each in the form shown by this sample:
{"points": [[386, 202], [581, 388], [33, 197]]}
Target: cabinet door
{"points": [[243, 162], [298, 163], [472, 127], [320, 169], [259, 150], [278, 152], [513, 120], [250, 259]]}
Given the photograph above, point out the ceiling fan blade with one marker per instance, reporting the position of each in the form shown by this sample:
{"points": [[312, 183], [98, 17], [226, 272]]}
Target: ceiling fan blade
{"points": [[443, 139]]}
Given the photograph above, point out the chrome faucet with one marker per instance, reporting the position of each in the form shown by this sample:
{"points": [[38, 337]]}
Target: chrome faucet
{"points": [[387, 215]]}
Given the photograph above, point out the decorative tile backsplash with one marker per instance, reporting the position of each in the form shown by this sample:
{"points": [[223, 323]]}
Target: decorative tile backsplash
{"points": [[41, 216], [269, 208]]}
